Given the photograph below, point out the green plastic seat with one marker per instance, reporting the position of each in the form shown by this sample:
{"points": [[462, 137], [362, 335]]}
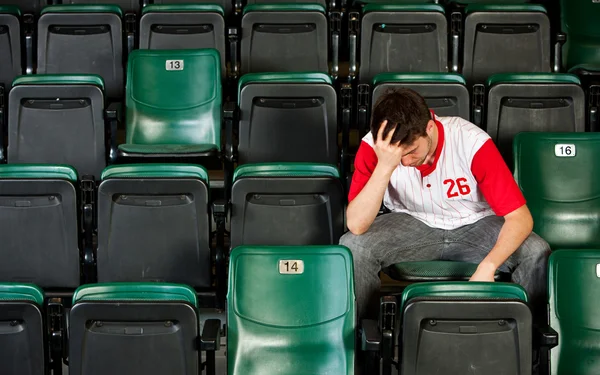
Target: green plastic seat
{"points": [[226, 6], [178, 112], [579, 22], [22, 326], [153, 224], [71, 107], [82, 39], [291, 311], [445, 93], [286, 204], [463, 325], [574, 290], [10, 46], [490, 46], [557, 175], [39, 225], [149, 328], [183, 26], [540, 102], [287, 117], [388, 31], [282, 37]]}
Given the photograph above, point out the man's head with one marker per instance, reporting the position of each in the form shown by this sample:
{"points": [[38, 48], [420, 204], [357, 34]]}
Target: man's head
{"points": [[405, 113]]}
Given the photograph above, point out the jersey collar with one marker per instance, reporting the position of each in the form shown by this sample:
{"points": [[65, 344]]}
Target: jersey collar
{"points": [[427, 169]]}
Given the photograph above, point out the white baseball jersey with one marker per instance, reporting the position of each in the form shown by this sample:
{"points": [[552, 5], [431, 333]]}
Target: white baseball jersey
{"points": [[467, 181]]}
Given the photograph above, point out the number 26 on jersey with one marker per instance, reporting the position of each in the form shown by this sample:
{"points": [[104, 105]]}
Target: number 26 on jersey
{"points": [[457, 187]]}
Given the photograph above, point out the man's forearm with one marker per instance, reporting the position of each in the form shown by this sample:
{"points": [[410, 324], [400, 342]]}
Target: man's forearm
{"points": [[515, 230], [363, 209]]}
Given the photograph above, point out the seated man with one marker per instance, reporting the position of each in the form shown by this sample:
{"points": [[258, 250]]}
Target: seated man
{"points": [[451, 197]]}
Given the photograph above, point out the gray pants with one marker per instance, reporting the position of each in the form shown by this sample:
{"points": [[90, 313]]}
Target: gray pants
{"points": [[398, 237]]}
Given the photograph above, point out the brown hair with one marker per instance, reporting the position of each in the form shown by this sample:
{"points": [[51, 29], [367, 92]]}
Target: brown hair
{"points": [[403, 109]]}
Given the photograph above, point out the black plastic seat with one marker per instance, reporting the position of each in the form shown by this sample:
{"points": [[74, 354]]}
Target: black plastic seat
{"points": [[10, 45]]}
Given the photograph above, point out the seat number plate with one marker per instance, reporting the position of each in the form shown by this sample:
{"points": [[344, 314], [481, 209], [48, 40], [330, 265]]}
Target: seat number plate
{"points": [[291, 267], [174, 65], [564, 150], [598, 270]]}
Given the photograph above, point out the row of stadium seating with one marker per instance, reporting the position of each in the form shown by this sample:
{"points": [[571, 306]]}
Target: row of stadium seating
{"points": [[279, 117], [491, 39], [150, 230]]}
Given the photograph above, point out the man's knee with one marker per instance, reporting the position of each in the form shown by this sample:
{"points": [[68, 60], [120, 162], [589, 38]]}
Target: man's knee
{"points": [[536, 246]]}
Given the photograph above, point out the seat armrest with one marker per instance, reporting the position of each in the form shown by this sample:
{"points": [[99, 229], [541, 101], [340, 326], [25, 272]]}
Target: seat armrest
{"points": [[210, 340], [370, 336]]}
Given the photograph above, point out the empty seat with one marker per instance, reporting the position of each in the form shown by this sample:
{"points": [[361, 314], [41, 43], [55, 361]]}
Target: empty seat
{"points": [[38, 225], [445, 93], [323, 3], [402, 38], [284, 38], [25, 6], [58, 119], [10, 45], [226, 5], [177, 113], [83, 39], [573, 296], [271, 330], [580, 24], [153, 224], [21, 330], [559, 176], [129, 6], [454, 328], [134, 328], [287, 117], [505, 39], [187, 26], [532, 102], [286, 204]]}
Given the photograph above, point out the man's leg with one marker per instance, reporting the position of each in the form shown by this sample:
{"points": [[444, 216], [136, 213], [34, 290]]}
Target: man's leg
{"points": [[528, 265], [392, 238]]}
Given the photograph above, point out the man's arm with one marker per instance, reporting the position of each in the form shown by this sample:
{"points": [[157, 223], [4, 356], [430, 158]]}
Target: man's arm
{"points": [[363, 209], [516, 228]]}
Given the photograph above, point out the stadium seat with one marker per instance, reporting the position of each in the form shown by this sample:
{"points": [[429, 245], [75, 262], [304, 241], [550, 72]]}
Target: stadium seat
{"points": [[284, 38], [153, 224], [323, 3], [532, 102], [291, 310], [21, 330], [10, 45], [445, 93], [402, 38], [134, 328], [58, 119], [183, 26], [287, 117], [573, 295], [286, 204], [558, 174], [177, 113], [505, 39], [580, 24], [38, 225], [460, 328], [82, 39], [226, 5], [129, 6], [25, 6]]}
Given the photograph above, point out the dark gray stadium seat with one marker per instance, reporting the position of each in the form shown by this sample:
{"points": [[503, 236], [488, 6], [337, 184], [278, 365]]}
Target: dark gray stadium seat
{"points": [[505, 39], [39, 226], [58, 119], [284, 38], [83, 39], [402, 39], [532, 102], [153, 224], [287, 117], [183, 26], [286, 204], [10, 45]]}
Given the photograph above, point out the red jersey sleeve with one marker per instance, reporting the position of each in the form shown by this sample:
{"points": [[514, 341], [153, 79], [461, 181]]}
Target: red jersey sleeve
{"points": [[495, 180], [364, 165]]}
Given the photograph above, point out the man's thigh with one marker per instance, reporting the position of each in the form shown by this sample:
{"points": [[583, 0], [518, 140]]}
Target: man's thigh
{"points": [[397, 237]]}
